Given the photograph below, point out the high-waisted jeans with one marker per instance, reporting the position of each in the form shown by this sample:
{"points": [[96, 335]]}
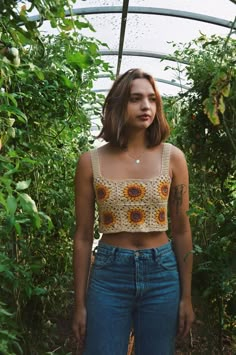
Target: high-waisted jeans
{"points": [[136, 289]]}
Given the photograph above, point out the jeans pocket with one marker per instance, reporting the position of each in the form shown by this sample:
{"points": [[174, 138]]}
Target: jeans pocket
{"points": [[168, 261], [102, 260]]}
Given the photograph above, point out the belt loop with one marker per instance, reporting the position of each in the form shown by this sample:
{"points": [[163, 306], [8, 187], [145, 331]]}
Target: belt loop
{"points": [[114, 251], [155, 254]]}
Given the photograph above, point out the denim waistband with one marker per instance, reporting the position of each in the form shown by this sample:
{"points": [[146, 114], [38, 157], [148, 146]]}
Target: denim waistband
{"points": [[103, 248]]}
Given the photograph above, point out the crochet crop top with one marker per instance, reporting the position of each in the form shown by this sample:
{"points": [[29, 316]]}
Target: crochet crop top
{"points": [[132, 205]]}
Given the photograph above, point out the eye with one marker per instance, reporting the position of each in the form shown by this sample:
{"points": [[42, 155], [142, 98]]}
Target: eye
{"points": [[153, 99], [133, 99]]}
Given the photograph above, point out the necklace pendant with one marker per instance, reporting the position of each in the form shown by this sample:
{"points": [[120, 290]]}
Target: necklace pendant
{"points": [[137, 161]]}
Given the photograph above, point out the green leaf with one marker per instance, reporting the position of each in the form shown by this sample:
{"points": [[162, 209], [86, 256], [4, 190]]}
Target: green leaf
{"points": [[23, 220], [11, 204], [40, 291], [22, 185], [37, 221], [211, 111], [9, 96], [18, 228], [29, 161], [53, 22], [17, 345], [2, 200], [197, 249], [226, 90], [67, 82], [220, 218], [50, 224], [81, 25], [15, 111], [27, 203], [14, 170], [36, 265], [11, 132], [67, 25], [39, 74], [221, 105], [93, 48], [79, 59], [3, 311]]}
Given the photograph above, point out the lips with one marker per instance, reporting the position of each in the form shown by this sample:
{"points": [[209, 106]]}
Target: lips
{"points": [[144, 117]]}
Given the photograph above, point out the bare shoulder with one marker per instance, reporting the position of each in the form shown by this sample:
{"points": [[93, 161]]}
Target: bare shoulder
{"points": [[85, 158], [177, 161], [84, 165], [176, 153]]}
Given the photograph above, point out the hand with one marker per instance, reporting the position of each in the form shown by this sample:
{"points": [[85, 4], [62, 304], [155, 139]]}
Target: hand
{"points": [[186, 317], [79, 326]]}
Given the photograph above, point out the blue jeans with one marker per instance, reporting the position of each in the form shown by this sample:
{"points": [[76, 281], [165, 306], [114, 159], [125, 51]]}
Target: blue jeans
{"points": [[136, 289]]}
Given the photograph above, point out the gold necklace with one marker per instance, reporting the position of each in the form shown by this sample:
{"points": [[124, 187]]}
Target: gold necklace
{"points": [[137, 160]]}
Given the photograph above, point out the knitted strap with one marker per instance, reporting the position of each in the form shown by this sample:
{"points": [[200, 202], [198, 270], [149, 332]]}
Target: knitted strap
{"points": [[95, 163], [165, 159]]}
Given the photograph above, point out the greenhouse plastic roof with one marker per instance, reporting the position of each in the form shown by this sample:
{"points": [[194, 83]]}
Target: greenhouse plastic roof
{"points": [[139, 32]]}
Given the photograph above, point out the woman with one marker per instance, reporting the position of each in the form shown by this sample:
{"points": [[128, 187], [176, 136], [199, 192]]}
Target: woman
{"points": [[139, 279]]}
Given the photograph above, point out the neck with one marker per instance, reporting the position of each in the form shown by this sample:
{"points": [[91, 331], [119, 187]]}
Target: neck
{"points": [[137, 143], [136, 148]]}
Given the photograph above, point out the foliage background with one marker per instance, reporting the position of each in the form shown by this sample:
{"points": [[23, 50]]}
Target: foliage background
{"points": [[204, 126], [45, 109], [45, 106]]}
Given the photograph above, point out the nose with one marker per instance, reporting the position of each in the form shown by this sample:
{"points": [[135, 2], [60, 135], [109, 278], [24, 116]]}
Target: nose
{"points": [[145, 104]]}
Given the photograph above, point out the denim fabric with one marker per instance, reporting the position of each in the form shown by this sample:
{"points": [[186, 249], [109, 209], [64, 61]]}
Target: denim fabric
{"points": [[132, 288]]}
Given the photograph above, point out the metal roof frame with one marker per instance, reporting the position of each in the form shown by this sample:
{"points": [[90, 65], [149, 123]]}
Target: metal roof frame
{"points": [[160, 80], [148, 11], [125, 10], [122, 34], [141, 53]]}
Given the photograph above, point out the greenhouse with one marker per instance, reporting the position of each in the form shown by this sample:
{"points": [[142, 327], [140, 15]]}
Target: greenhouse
{"points": [[58, 61]]}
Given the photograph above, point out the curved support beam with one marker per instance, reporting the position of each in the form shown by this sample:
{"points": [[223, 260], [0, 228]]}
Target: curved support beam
{"points": [[148, 11], [159, 80], [122, 34], [140, 53]]}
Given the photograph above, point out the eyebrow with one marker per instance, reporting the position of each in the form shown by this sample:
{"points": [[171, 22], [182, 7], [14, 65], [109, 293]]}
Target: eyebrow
{"points": [[140, 94]]}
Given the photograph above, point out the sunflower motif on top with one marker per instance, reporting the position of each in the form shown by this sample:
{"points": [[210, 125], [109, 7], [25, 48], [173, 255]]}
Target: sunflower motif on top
{"points": [[108, 218], [161, 216], [136, 216], [134, 192], [102, 192], [163, 189]]}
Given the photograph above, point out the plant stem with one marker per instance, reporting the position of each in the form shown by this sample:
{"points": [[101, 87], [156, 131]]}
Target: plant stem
{"points": [[228, 132]]}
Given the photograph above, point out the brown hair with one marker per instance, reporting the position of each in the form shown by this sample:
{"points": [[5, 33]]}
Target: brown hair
{"points": [[114, 112]]}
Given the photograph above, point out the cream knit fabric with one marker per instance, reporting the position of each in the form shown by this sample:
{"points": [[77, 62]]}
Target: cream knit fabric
{"points": [[132, 205]]}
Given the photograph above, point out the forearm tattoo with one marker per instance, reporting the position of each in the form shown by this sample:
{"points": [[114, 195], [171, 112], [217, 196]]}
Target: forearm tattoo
{"points": [[177, 196]]}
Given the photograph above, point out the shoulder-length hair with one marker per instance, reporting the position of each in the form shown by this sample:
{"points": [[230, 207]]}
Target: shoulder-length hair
{"points": [[114, 112]]}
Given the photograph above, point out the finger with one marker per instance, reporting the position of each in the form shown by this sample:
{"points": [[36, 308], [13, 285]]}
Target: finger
{"points": [[181, 325], [186, 329], [75, 330], [82, 333], [82, 330], [188, 325]]}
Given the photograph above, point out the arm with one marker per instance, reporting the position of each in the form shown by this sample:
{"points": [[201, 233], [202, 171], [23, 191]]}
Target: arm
{"points": [[83, 239], [181, 232]]}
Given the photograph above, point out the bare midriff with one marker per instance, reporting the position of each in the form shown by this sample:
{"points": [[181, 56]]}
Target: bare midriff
{"points": [[134, 240]]}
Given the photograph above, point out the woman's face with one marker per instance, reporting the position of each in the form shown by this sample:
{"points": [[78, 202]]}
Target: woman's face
{"points": [[141, 108]]}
